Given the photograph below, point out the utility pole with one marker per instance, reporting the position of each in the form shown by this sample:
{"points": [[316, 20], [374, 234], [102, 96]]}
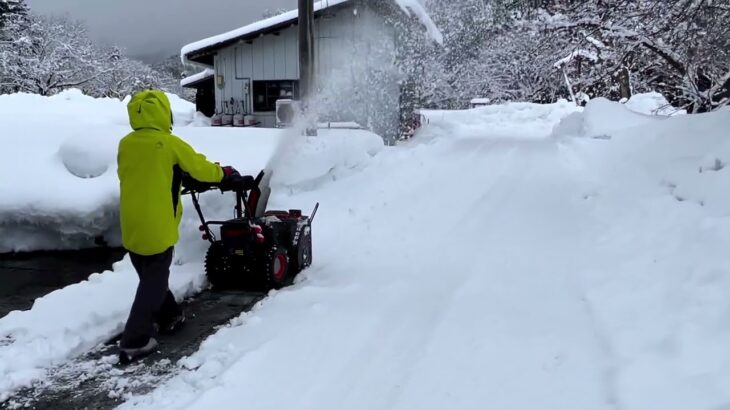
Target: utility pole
{"points": [[306, 62]]}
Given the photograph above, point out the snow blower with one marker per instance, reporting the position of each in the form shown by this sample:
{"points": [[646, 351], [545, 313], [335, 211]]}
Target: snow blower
{"points": [[256, 249]]}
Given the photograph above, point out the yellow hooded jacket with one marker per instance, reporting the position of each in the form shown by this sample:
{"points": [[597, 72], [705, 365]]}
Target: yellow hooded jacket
{"points": [[150, 164]]}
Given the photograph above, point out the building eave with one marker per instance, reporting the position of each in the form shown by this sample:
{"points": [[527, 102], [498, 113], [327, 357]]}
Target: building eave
{"points": [[203, 51]]}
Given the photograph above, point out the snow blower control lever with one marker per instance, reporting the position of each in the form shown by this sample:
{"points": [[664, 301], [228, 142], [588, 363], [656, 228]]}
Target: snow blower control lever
{"points": [[237, 184], [255, 248]]}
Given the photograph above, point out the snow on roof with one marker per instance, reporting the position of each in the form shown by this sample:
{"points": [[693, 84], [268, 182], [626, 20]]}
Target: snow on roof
{"points": [[208, 72], [408, 6], [292, 16]]}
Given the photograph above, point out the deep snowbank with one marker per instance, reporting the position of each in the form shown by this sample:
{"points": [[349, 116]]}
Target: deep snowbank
{"points": [[515, 120], [58, 186], [660, 189]]}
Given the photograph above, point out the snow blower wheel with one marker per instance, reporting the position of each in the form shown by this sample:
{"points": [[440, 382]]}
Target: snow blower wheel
{"points": [[302, 257], [253, 250], [218, 265], [275, 266]]}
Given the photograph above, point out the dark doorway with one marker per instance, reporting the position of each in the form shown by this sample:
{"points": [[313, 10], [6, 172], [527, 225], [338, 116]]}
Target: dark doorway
{"points": [[205, 97]]}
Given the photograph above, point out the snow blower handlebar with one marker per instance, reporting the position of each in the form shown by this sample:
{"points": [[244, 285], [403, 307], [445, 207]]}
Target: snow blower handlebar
{"points": [[244, 208], [236, 183]]}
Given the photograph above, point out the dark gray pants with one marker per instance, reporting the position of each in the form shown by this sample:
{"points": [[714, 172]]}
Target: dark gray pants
{"points": [[154, 303]]}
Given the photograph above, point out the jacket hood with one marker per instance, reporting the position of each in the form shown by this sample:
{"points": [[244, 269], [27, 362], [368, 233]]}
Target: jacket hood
{"points": [[150, 109]]}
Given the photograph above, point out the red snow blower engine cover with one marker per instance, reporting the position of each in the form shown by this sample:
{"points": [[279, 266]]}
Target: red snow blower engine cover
{"points": [[257, 249]]}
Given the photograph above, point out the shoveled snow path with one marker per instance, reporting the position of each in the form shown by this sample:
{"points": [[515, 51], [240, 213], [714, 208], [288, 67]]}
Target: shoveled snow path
{"points": [[470, 243]]}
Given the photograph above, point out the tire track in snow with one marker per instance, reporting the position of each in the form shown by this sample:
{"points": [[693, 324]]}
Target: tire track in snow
{"points": [[511, 201], [491, 190], [419, 315], [587, 181]]}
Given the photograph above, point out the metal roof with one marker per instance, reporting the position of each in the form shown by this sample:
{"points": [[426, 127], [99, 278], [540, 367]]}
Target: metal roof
{"points": [[202, 51]]}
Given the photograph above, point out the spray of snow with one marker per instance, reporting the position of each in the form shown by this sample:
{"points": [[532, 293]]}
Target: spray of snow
{"points": [[414, 6]]}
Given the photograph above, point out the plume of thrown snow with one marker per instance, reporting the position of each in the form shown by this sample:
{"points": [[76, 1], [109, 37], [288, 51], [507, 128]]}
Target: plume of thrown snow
{"points": [[413, 6]]}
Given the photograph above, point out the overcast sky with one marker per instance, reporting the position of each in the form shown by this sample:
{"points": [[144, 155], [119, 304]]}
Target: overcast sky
{"points": [[151, 28]]}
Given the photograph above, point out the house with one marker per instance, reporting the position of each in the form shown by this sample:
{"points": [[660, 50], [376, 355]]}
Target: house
{"points": [[204, 85], [248, 69]]}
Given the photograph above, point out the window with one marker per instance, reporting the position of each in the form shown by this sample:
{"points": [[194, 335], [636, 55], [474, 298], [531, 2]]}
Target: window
{"points": [[266, 93]]}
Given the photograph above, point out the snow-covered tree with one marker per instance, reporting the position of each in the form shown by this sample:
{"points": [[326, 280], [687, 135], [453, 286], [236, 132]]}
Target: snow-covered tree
{"points": [[120, 76], [171, 71], [678, 47], [11, 11], [528, 50], [46, 55], [53, 55], [13, 24]]}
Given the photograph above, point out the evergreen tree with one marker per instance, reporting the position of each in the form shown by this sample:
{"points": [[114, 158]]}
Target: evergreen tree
{"points": [[12, 12], [13, 24]]}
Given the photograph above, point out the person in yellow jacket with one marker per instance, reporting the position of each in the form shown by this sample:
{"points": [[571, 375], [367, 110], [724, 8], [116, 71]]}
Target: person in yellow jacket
{"points": [[151, 162]]}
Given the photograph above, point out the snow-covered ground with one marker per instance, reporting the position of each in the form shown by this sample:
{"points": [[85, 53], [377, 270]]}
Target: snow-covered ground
{"points": [[46, 203], [515, 256]]}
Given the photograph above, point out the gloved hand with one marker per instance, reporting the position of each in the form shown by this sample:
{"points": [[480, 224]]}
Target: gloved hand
{"points": [[193, 185], [233, 181], [229, 176], [229, 171]]}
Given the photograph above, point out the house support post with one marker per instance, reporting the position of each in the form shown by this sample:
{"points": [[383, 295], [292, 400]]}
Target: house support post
{"points": [[306, 63]]}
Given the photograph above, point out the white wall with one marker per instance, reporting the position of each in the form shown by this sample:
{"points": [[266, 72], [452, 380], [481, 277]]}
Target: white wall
{"points": [[351, 43]]}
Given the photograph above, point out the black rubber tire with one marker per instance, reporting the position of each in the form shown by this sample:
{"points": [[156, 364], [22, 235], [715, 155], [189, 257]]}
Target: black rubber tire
{"points": [[303, 257], [275, 275], [219, 267]]}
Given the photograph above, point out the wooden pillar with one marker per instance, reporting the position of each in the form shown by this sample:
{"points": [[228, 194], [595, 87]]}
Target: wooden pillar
{"points": [[306, 60]]}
